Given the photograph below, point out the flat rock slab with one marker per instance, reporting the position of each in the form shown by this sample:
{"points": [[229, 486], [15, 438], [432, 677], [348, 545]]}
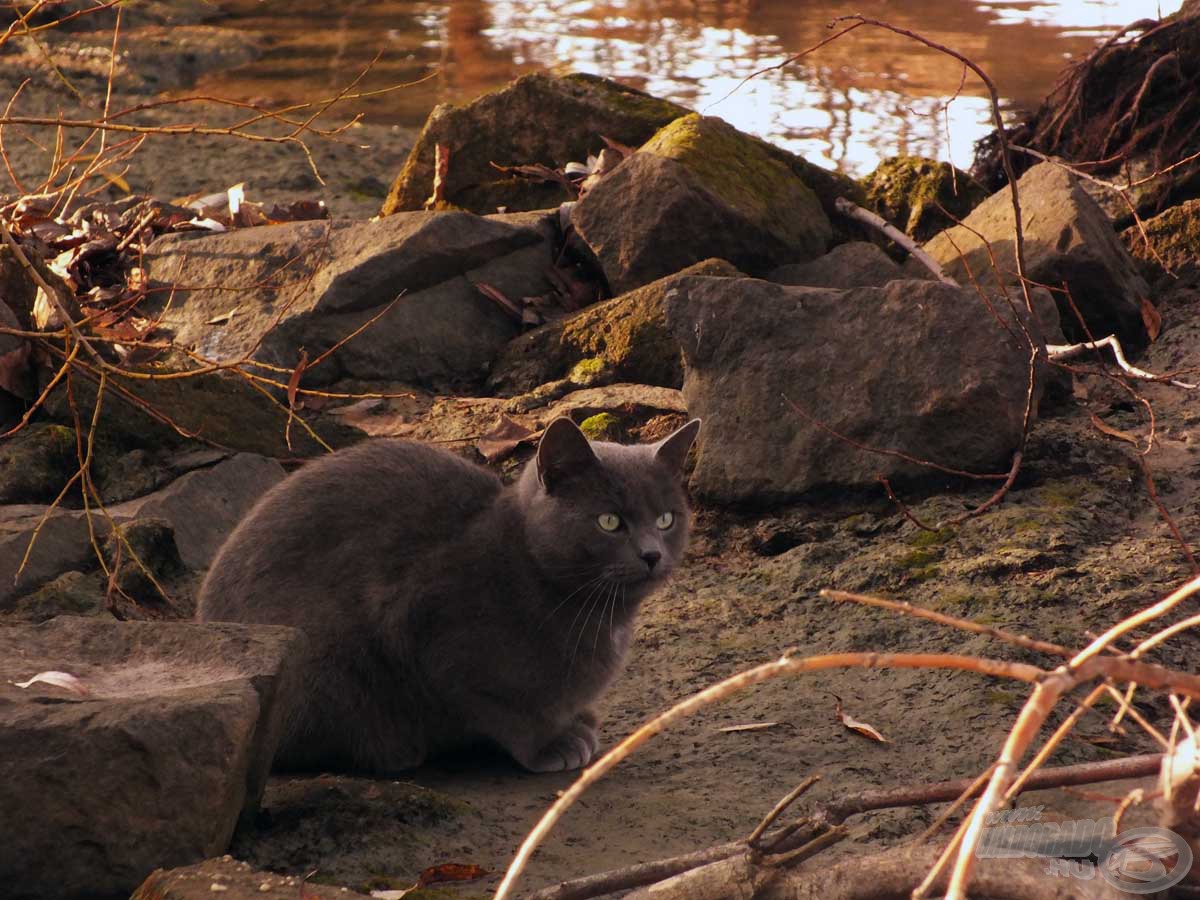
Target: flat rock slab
{"points": [[918, 367], [202, 507], [229, 879], [267, 292], [153, 766]]}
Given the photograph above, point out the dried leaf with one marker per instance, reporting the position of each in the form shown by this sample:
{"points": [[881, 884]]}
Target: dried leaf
{"points": [[393, 894], [503, 439], [294, 381], [498, 297], [206, 224], [753, 726], [441, 168], [64, 680], [1102, 426], [538, 172], [300, 211], [448, 872], [223, 317], [624, 149], [1151, 318], [45, 313], [860, 727], [14, 371], [235, 195]]}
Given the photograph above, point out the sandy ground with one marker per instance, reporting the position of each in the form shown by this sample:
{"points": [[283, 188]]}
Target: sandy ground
{"points": [[1077, 545]]}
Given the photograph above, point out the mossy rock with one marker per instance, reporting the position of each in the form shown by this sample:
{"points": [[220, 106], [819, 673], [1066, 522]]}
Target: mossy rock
{"points": [[749, 179], [70, 594], [37, 462], [143, 552], [626, 336], [1175, 236], [907, 190], [538, 118], [745, 175]]}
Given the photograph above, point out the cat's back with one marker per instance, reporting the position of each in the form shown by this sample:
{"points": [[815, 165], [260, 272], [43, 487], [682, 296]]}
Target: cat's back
{"points": [[346, 516]]}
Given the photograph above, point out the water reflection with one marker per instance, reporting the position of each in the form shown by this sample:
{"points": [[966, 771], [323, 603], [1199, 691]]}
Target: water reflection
{"points": [[868, 95]]}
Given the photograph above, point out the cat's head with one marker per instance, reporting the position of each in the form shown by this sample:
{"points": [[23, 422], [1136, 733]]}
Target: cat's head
{"points": [[611, 513]]}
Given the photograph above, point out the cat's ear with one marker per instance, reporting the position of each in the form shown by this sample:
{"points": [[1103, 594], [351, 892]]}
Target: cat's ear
{"points": [[673, 449], [563, 449]]}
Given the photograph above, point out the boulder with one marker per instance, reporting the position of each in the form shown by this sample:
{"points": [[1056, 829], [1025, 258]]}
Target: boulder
{"points": [[626, 336], [850, 265], [908, 191], [698, 189], [536, 119], [201, 509], [1067, 239], [153, 766], [914, 366], [268, 292]]}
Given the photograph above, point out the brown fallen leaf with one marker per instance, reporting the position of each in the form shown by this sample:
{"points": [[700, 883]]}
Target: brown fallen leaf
{"points": [[860, 727], [14, 371], [64, 680], [1104, 427], [624, 149], [505, 436], [447, 872], [497, 296], [293, 386], [1151, 318]]}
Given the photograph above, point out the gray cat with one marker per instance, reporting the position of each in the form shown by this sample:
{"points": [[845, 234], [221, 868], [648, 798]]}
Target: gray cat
{"points": [[444, 608]]}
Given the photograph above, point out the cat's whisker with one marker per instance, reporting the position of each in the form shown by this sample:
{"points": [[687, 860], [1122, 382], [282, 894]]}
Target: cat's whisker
{"points": [[592, 602], [563, 603], [610, 602], [585, 604]]}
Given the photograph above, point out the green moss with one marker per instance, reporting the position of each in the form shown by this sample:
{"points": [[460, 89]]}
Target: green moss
{"points": [[1063, 495], [925, 538], [915, 559], [589, 371], [907, 190], [601, 427], [924, 574], [1174, 233]]}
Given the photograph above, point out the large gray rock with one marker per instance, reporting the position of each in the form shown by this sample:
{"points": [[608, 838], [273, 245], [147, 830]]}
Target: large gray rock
{"points": [[153, 767], [201, 507], [699, 189], [1068, 239], [268, 292], [915, 366]]}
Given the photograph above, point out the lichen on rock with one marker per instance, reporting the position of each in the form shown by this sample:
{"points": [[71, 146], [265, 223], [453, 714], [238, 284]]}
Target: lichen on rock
{"points": [[907, 191]]}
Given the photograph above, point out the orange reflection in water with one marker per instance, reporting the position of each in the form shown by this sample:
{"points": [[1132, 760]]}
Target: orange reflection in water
{"points": [[867, 95]]}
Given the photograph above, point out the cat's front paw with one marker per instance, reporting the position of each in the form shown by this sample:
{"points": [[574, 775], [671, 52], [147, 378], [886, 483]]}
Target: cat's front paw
{"points": [[573, 749]]}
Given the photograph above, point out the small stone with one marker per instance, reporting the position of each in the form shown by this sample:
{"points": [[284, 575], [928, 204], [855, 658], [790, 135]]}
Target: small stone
{"points": [[264, 887], [216, 888]]}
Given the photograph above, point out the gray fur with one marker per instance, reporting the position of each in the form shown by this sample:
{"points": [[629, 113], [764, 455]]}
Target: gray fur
{"points": [[444, 608]]}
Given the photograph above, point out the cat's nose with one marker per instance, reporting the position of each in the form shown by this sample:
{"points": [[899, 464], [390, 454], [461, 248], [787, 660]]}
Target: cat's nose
{"points": [[651, 558]]}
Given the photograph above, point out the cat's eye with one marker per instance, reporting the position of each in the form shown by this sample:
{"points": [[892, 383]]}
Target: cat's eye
{"points": [[665, 521], [609, 521]]}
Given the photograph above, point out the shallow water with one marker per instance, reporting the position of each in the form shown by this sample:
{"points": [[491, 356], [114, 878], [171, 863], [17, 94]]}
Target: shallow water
{"points": [[865, 96]]}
